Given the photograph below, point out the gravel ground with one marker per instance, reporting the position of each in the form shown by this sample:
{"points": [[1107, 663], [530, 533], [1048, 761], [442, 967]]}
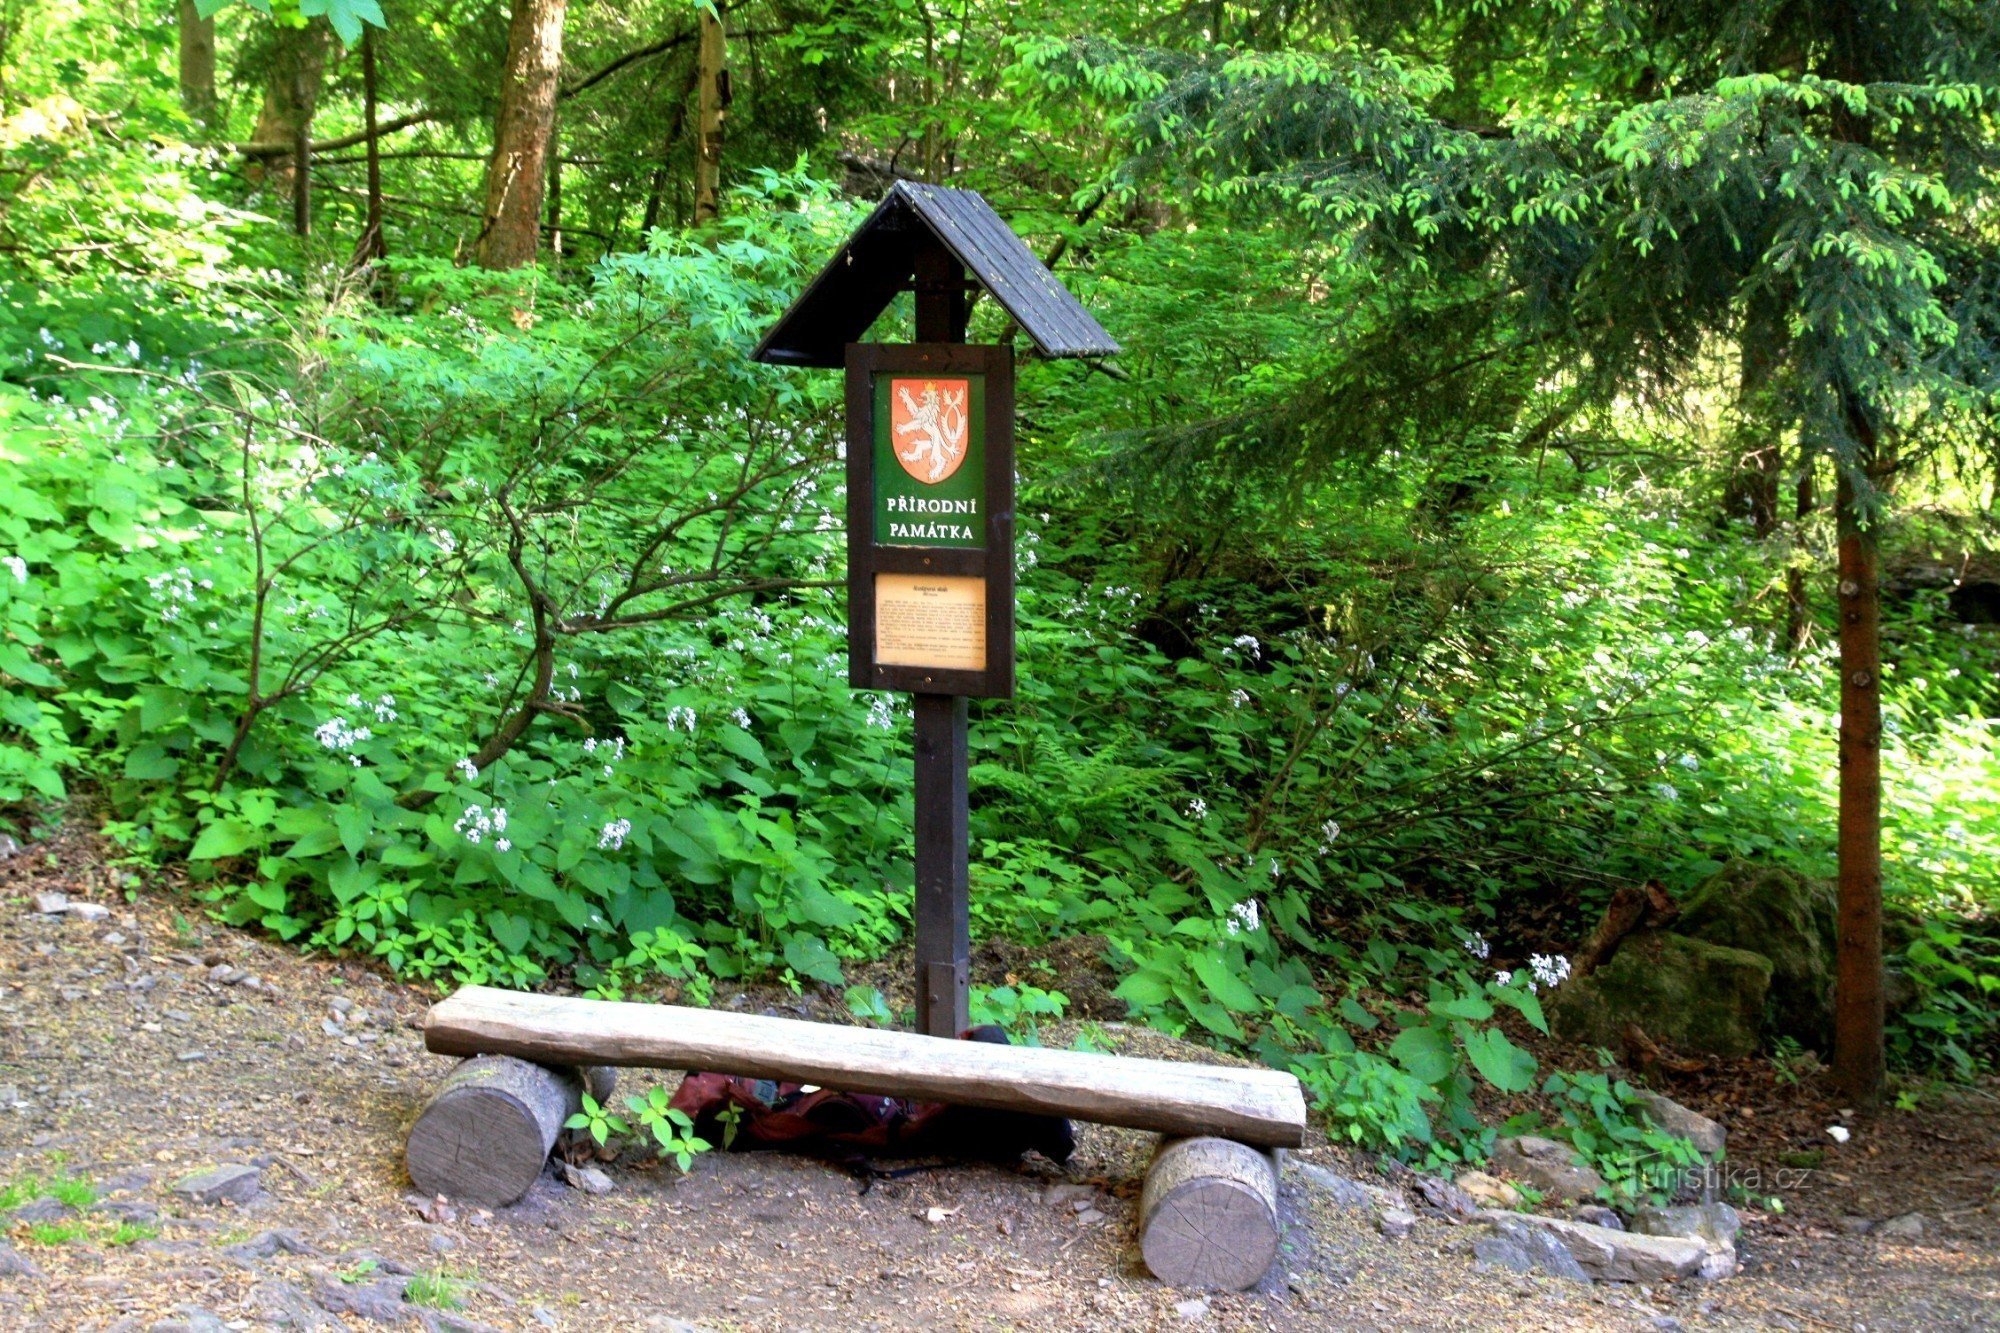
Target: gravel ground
{"points": [[146, 1044]]}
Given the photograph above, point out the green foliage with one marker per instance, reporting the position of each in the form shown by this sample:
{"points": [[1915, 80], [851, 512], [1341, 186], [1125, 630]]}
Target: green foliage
{"points": [[600, 1123], [1603, 1120], [437, 1289], [672, 1129]]}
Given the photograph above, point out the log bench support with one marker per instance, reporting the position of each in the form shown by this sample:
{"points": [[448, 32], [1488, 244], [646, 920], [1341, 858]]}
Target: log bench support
{"points": [[486, 1134], [1208, 1216]]}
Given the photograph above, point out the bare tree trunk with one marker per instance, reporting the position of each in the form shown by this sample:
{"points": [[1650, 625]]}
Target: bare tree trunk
{"points": [[517, 175], [1798, 598], [555, 188], [197, 51], [373, 243], [656, 195], [291, 96], [712, 86], [1857, 1009]]}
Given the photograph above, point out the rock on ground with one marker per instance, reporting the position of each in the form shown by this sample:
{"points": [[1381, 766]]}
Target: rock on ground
{"points": [[1708, 1137], [1546, 1165], [1513, 1244], [1685, 992], [1621, 1256], [230, 1183], [1788, 919]]}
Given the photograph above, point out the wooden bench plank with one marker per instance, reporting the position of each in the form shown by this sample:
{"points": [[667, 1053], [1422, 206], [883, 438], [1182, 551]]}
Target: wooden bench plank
{"points": [[1264, 1107]]}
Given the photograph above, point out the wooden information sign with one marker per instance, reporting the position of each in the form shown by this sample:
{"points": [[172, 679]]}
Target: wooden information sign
{"points": [[930, 519], [930, 503]]}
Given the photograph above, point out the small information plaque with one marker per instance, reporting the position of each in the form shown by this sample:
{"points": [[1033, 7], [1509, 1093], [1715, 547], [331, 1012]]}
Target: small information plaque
{"points": [[930, 620], [930, 518]]}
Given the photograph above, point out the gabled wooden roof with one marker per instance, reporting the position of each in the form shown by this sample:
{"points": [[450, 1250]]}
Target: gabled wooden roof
{"points": [[879, 261]]}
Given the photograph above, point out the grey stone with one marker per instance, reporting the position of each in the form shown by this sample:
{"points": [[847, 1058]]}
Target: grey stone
{"points": [[1395, 1223], [544, 1316], [9, 848], [1908, 1226], [586, 1178], [1195, 1307], [452, 1321], [168, 1249], [89, 912], [1548, 1166], [267, 1243], [331, 1028], [1715, 1223], [15, 1264], [1619, 1256], [1598, 1216], [1445, 1197], [51, 904], [1344, 1192], [1857, 1226], [230, 1183], [284, 1305], [442, 1244], [1519, 1247], [1708, 1137], [190, 1319], [380, 1300]]}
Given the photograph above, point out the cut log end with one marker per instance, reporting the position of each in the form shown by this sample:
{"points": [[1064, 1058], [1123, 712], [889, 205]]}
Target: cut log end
{"points": [[1209, 1215], [486, 1135]]}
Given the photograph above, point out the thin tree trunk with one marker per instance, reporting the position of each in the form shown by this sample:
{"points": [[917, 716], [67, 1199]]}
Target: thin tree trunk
{"points": [[517, 175], [197, 61], [302, 168], [373, 245], [656, 195], [713, 91], [554, 224], [1798, 597], [291, 96], [1858, 1062]]}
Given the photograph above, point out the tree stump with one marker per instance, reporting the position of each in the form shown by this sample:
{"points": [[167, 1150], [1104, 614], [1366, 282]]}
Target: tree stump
{"points": [[487, 1133], [1209, 1214]]}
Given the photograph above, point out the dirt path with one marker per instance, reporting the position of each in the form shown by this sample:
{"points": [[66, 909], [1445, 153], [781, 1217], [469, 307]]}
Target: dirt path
{"points": [[133, 1053]]}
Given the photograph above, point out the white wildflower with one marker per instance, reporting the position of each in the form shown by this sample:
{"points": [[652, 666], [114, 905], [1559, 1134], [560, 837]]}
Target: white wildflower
{"points": [[680, 718], [1550, 970], [1243, 918], [502, 845], [1329, 831], [741, 718], [1197, 808], [1476, 945], [336, 734], [1504, 977], [478, 821], [1239, 697], [613, 836], [1248, 643], [18, 566], [467, 770], [881, 713], [385, 708]]}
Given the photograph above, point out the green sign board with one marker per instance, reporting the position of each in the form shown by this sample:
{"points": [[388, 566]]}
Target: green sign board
{"points": [[930, 460]]}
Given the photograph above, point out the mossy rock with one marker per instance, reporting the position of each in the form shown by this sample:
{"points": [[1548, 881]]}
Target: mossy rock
{"points": [[1688, 993], [1790, 920]]}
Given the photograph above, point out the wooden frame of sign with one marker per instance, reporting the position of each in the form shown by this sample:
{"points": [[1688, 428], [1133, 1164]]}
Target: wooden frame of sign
{"points": [[930, 518]]}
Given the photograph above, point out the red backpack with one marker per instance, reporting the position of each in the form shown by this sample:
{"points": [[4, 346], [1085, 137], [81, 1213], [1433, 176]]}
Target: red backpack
{"points": [[770, 1114]]}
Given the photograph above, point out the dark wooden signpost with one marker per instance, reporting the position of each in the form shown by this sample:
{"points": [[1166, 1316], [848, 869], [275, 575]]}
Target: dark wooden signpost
{"points": [[930, 502]]}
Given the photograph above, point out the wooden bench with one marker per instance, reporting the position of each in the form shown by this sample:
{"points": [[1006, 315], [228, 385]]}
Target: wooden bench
{"points": [[1208, 1214]]}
